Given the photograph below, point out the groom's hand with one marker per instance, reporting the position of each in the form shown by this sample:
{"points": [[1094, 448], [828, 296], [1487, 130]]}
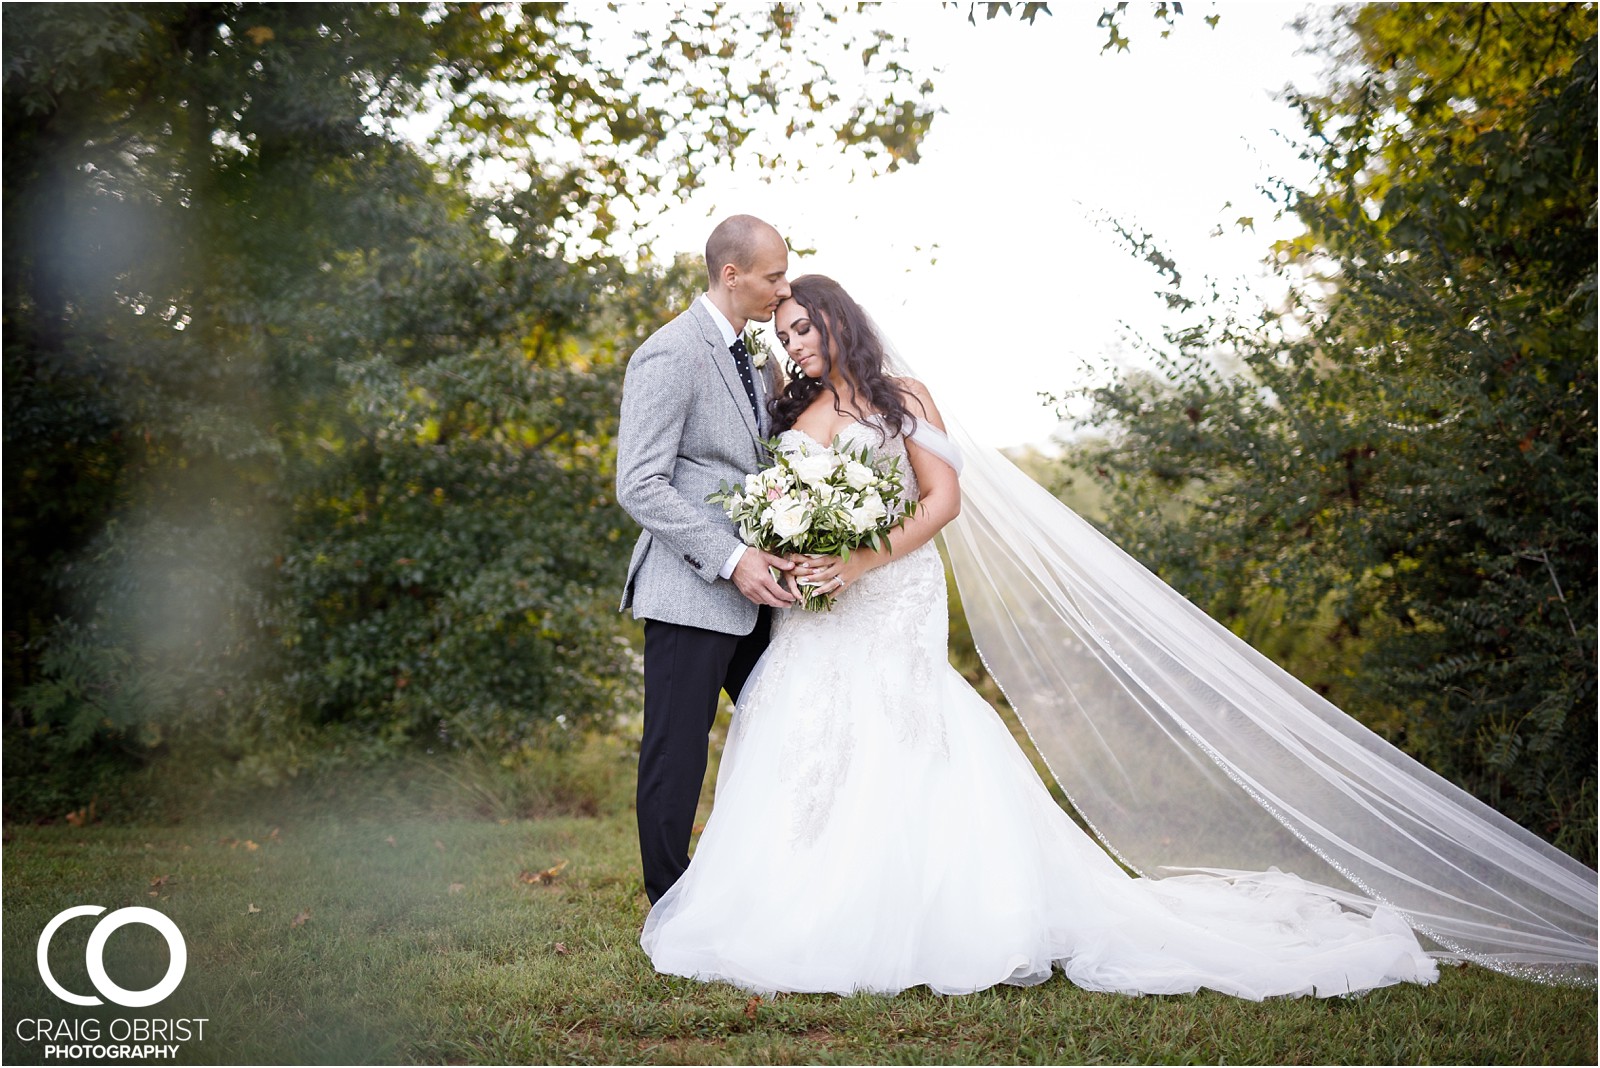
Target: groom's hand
{"points": [[750, 574]]}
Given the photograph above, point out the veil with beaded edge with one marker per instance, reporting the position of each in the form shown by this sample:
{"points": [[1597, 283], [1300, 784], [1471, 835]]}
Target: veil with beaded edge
{"points": [[1185, 750]]}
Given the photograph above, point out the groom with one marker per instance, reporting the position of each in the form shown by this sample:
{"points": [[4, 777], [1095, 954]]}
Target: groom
{"points": [[693, 411]]}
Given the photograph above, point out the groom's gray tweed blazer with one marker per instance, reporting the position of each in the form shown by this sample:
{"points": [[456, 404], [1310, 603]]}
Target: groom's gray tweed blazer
{"points": [[686, 428]]}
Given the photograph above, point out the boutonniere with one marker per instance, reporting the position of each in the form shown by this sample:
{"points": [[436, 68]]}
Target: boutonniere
{"points": [[756, 348]]}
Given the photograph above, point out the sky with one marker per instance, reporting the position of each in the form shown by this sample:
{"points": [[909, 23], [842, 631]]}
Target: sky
{"points": [[988, 263]]}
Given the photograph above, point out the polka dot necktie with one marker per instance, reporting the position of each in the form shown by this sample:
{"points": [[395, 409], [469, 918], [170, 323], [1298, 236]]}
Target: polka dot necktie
{"points": [[741, 359]]}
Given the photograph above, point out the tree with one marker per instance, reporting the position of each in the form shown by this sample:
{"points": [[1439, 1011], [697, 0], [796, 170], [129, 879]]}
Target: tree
{"points": [[1410, 443], [308, 428]]}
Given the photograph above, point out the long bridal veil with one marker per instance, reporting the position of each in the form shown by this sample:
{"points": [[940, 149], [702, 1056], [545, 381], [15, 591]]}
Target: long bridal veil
{"points": [[1184, 749]]}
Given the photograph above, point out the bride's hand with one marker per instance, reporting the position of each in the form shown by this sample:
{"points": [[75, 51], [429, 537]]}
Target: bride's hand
{"points": [[804, 565], [829, 574]]}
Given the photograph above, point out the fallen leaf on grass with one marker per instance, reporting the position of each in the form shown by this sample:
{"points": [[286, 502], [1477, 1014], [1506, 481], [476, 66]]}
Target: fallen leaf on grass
{"points": [[299, 920], [251, 846], [456, 888], [83, 816], [438, 845], [750, 1008], [561, 949], [697, 828], [159, 881], [272, 835], [542, 878], [252, 910], [390, 840]]}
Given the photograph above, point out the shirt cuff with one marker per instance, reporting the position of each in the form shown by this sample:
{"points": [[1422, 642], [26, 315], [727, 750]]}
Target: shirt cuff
{"points": [[733, 561]]}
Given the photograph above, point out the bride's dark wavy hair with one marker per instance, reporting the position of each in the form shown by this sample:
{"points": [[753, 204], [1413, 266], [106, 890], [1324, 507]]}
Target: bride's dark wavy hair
{"points": [[850, 344]]}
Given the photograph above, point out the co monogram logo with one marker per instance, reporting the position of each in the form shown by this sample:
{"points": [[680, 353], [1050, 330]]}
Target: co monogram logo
{"points": [[94, 956]]}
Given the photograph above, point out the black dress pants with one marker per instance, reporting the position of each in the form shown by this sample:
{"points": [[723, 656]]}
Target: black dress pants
{"points": [[684, 669]]}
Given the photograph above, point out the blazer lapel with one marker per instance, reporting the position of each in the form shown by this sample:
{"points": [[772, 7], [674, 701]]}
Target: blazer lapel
{"points": [[722, 360], [769, 391]]}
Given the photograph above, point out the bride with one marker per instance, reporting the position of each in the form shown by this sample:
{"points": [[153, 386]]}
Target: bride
{"points": [[877, 828]]}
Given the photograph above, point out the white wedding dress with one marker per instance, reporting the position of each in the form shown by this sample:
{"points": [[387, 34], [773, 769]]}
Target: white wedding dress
{"points": [[877, 828]]}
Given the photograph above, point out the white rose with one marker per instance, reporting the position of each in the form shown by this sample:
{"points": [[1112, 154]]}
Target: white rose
{"points": [[816, 468], [752, 484], [868, 515], [787, 517], [858, 476], [863, 519]]}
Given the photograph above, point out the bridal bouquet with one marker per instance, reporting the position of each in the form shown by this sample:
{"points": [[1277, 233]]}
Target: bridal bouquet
{"points": [[824, 501]]}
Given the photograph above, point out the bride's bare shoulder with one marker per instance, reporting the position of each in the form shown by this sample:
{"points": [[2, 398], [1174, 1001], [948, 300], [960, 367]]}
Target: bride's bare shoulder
{"points": [[920, 401]]}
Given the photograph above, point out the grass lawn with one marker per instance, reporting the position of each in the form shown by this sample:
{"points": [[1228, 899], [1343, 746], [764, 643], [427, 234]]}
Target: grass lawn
{"points": [[346, 931]]}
